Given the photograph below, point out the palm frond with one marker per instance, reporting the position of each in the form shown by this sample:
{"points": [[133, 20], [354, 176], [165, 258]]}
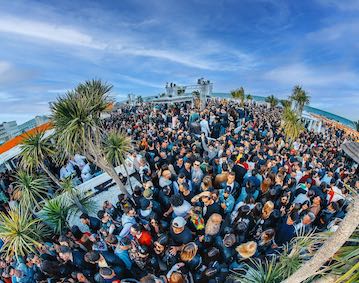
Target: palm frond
{"points": [[267, 271], [30, 189], [55, 213], [116, 147], [20, 232], [35, 148]]}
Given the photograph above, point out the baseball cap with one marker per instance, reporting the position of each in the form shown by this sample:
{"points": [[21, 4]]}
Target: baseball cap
{"points": [[179, 222]]}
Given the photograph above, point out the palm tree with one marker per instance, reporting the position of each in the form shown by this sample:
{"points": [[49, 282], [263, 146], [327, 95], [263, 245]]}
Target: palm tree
{"points": [[35, 150], [239, 94], [291, 124], [30, 189], [249, 98], [55, 214], [300, 97], [20, 232], [286, 103], [117, 146], [76, 119], [272, 100]]}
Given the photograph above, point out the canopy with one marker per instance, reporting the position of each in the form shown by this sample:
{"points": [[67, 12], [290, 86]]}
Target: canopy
{"points": [[352, 149]]}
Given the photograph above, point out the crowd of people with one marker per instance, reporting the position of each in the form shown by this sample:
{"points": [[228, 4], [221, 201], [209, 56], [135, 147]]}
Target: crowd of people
{"points": [[218, 189]]}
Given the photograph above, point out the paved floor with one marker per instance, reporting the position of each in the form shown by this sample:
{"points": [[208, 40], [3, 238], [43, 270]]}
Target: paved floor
{"points": [[110, 195]]}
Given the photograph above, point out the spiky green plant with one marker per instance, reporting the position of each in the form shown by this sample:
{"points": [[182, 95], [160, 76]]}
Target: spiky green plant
{"points": [[267, 271], [239, 94], [300, 97], [35, 150], [76, 119], [30, 189], [272, 100], [117, 146], [291, 124], [249, 97], [286, 103], [55, 213], [20, 232]]}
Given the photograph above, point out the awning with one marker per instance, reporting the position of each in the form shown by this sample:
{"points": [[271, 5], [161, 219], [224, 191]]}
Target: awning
{"points": [[352, 149]]}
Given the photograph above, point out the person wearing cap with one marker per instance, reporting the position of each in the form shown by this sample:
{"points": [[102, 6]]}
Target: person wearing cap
{"points": [[179, 234]]}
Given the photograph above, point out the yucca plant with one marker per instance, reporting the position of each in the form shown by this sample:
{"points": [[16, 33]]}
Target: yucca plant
{"points": [[239, 94], [30, 189], [272, 100], [286, 103], [35, 150], [267, 271], [291, 124], [76, 119], [20, 232], [55, 213], [301, 98], [117, 146]]}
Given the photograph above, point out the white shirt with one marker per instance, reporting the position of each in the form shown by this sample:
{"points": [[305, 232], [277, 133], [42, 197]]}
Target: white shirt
{"points": [[204, 127], [182, 210]]}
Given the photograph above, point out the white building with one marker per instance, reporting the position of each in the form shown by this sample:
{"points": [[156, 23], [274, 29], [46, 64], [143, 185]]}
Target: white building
{"points": [[11, 129]]}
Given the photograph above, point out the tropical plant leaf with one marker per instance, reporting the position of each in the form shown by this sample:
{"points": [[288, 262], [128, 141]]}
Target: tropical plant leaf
{"points": [[30, 189], [20, 232]]}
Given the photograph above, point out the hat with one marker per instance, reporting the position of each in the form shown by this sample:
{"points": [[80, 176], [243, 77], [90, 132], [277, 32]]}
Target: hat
{"points": [[179, 222], [144, 203], [148, 193], [247, 250]]}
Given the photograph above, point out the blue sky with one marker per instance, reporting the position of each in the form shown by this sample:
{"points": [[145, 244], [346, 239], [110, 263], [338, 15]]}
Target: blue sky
{"points": [[266, 46]]}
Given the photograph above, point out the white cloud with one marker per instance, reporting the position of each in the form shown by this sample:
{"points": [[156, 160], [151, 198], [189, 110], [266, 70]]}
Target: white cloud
{"points": [[47, 31], [344, 5], [346, 31], [6, 97], [308, 76], [140, 81], [197, 56]]}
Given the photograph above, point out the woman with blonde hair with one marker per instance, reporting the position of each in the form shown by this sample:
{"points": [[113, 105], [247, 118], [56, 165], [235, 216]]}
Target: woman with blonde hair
{"points": [[267, 209]]}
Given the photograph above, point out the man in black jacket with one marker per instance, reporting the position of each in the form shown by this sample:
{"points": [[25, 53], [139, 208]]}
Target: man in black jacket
{"points": [[106, 259], [76, 259], [93, 223]]}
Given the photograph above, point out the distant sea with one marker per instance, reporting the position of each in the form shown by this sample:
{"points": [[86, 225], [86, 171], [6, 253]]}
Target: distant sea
{"points": [[309, 109]]}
